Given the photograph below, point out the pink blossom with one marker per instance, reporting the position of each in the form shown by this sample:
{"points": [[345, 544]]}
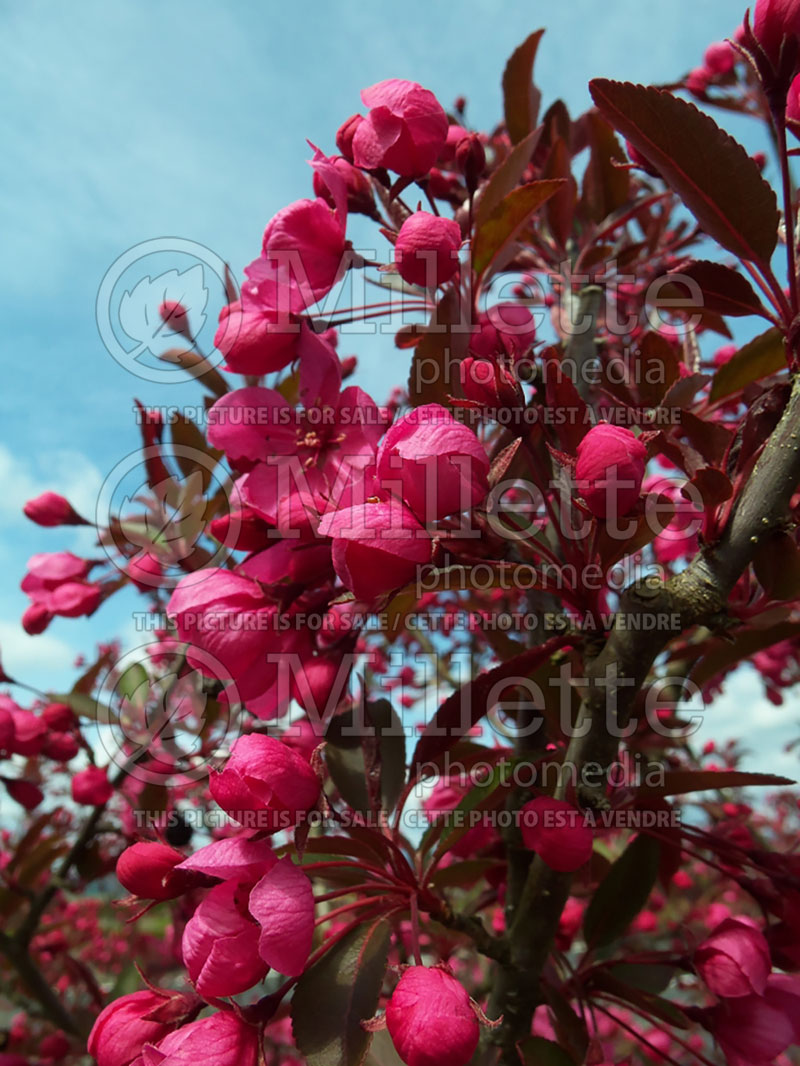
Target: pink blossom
{"points": [[793, 107], [222, 1039], [55, 584], [254, 339], [283, 904], [438, 465], [302, 258], [92, 787], [431, 1020], [773, 21], [609, 470], [377, 547], [127, 1024], [426, 250], [50, 509], [405, 130], [225, 615], [554, 829], [265, 775], [752, 1030], [236, 858], [30, 731], [220, 944], [734, 960]]}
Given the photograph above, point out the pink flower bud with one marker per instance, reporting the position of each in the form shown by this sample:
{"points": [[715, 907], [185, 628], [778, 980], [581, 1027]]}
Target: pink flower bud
{"points": [[610, 469], [223, 1039], [127, 1024], [720, 57], [345, 134], [175, 317], [147, 870], [471, 159], [554, 829], [145, 571], [7, 731], [92, 787], [25, 793], [60, 747], [404, 131], [489, 383], [50, 509], [734, 961], [55, 1046], [59, 717], [426, 251], [698, 80], [431, 1020], [266, 776], [36, 619]]}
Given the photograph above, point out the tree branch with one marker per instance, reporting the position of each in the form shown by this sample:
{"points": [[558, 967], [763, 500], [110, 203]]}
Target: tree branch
{"points": [[697, 595]]}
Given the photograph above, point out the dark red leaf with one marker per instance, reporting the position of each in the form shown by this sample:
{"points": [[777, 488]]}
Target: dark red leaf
{"points": [[712, 173], [521, 98]]}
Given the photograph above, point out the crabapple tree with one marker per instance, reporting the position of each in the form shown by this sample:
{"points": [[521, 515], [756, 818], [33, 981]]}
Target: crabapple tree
{"points": [[409, 770]]}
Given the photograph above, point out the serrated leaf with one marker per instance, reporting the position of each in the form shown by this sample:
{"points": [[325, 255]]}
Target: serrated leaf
{"points": [[762, 356], [345, 755], [623, 892], [711, 172], [521, 98], [506, 177], [508, 219], [336, 994], [724, 290], [134, 684]]}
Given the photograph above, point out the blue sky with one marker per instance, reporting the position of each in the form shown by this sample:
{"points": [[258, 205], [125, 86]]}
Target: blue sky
{"points": [[133, 121]]}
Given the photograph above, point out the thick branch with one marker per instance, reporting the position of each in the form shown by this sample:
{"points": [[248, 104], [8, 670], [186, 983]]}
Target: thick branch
{"points": [[698, 595], [581, 349]]}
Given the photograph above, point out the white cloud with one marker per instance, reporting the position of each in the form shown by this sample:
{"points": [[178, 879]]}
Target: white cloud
{"points": [[45, 659]]}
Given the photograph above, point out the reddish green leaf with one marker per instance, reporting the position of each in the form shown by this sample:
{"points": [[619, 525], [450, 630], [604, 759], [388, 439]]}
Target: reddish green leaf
{"points": [[724, 290], [560, 209], [712, 173], [434, 374], [606, 186], [337, 994], [521, 98], [507, 220], [507, 176], [764, 355], [623, 892], [682, 782]]}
